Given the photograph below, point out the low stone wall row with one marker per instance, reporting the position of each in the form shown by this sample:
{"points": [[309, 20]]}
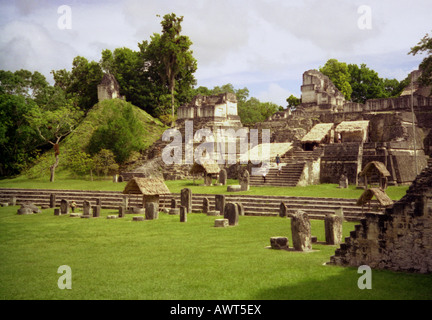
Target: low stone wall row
{"points": [[254, 205]]}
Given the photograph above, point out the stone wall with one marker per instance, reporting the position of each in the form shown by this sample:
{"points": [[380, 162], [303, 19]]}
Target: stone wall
{"points": [[338, 159], [400, 239]]}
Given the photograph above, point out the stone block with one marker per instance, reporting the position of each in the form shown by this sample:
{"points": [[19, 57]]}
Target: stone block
{"points": [[279, 243], [174, 211], [221, 223], [234, 188], [75, 215], [113, 216], [57, 212], [240, 209], [139, 218], [213, 213]]}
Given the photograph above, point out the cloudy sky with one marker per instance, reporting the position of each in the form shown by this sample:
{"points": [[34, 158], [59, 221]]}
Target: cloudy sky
{"points": [[264, 45]]}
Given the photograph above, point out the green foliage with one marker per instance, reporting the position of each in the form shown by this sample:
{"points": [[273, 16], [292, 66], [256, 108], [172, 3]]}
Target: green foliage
{"points": [[170, 63], [360, 83], [250, 110], [293, 102], [81, 83], [104, 162], [121, 134], [338, 73], [80, 163], [424, 46]]}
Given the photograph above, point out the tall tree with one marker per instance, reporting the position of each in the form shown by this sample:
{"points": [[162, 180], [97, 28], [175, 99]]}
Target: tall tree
{"points": [[424, 46], [81, 82], [53, 125], [169, 56]]}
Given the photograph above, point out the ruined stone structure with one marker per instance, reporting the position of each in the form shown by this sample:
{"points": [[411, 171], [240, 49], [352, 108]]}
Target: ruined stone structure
{"points": [[332, 137], [400, 239], [108, 88], [217, 111]]}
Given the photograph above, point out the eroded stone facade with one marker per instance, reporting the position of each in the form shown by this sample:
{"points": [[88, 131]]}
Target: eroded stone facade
{"points": [[400, 239]]}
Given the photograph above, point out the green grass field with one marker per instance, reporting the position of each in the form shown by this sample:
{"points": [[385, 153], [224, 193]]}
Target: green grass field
{"points": [[166, 259], [64, 181]]}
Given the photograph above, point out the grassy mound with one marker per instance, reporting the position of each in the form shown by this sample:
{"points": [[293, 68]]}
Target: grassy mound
{"points": [[98, 116]]}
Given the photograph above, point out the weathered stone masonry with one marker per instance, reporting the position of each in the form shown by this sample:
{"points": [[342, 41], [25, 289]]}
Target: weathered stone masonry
{"points": [[400, 239]]}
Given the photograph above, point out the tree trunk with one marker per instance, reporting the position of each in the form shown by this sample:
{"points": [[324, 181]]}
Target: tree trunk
{"points": [[53, 167], [172, 105]]}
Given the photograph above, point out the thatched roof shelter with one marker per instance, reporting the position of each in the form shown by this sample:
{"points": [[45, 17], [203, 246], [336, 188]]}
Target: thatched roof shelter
{"points": [[375, 167], [353, 130], [146, 187], [205, 167], [318, 133], [379, 194]]}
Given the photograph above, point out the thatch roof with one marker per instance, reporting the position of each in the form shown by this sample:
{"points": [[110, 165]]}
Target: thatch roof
{"points": [[146, 186], [353, 126], [208, 167], [318, 133], [379, 194], [371, 166]]}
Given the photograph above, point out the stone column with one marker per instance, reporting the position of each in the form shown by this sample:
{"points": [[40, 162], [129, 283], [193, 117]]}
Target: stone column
{"points": [[86, 207], [96, 211], [333, 229], [151, 211], [283, 210], [64, 207], [52, 200], [223, 177], [301, 231], [244, 181], [240, 209], [231, 213], [183, 214], [186, 199], [122, 211], [206, 205], [220, 203]]}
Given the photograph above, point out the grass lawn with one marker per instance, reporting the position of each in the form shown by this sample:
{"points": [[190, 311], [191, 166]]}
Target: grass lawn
{"points": [[63, 181], [166, 259]]}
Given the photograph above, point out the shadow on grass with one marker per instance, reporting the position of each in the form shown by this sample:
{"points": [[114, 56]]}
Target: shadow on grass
{"points": [[386, 285]]}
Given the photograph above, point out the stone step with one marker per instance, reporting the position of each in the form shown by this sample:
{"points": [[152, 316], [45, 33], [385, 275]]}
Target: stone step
{"points": [[254, 205]]}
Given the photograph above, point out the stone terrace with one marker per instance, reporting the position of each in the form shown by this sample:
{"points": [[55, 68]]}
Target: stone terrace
{"points": [[254, 205]]}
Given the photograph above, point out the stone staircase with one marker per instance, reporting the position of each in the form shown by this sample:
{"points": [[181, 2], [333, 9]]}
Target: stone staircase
{"points": [[293, 163], [254, 205]]}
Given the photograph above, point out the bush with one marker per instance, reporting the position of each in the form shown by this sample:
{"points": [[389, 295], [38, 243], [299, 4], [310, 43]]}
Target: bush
{"points": [[121, 135], [104, 163]]}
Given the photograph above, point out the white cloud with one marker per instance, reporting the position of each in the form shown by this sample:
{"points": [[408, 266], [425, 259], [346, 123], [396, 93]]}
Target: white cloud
{"points": [[264, 45]]}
